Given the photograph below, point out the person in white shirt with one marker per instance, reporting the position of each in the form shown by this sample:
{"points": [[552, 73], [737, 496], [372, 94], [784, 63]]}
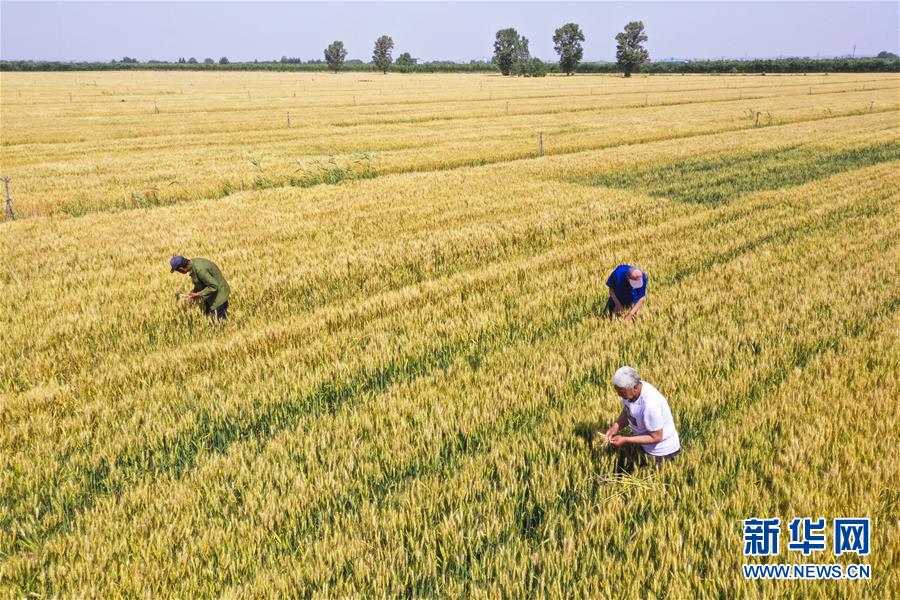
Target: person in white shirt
{"points": [[648, 413]]}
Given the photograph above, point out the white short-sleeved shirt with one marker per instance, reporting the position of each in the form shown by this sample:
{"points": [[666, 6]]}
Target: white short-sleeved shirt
{"points": [[650, 412]]}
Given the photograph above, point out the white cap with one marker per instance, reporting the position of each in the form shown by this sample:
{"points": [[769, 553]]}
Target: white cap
{"points": [[636, 283]]}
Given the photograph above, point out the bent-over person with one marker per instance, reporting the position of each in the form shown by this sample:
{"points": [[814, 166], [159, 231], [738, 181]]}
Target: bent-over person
{"points": [[211, 290], [648, 413]]}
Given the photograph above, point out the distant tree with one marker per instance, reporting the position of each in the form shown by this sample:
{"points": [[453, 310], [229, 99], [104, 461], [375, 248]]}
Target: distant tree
{"points": [[524, 62], [130, 60], [208, 61], [405, 60], [381, 56], [886, 54], [567, 43], [335, 54], [630, 54], [509, 48], [192, 61], [181, 61], [522, 65], [223, 60]]}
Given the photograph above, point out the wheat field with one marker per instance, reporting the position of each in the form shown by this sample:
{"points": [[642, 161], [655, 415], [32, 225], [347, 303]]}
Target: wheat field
{"points": [[403, 400]]}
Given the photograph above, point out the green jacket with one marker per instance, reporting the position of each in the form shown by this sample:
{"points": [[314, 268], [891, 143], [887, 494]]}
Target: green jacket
{"points": [[209, 283]]}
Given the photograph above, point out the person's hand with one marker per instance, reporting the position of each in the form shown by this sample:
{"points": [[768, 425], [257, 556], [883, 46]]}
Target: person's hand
{"points": [[619, 311], [629, 318], [617, 441]]}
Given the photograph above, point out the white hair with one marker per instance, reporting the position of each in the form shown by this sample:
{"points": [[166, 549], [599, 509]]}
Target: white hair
{"points": [[626, 378]]}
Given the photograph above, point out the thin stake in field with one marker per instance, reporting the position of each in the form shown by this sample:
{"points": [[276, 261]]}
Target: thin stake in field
{"points": [[289, 119], [10, 216], [541, 143]]}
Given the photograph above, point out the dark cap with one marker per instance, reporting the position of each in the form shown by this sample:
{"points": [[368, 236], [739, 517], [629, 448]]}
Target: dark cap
{"points": [[178, 262]]}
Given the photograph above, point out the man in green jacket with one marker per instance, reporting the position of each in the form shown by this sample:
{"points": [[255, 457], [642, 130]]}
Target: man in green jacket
{"points": [[210, 286]]}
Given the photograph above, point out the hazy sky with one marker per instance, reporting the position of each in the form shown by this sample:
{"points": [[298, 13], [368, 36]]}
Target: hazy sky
{"points": [[437, 30]]}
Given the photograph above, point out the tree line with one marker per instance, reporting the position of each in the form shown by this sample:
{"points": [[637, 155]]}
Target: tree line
{"points": [[782, 65], [511, 57]]}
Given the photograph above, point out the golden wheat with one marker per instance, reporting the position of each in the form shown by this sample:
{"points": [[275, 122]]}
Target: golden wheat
{"points": [[410, 394]]}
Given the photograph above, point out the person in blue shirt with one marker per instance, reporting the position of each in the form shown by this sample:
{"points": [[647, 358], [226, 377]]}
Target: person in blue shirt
{"points": [[627, 291]]}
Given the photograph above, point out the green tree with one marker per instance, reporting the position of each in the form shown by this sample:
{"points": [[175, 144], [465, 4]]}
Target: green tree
{"points": [[405, 60], [381, 56], [192, 61], [335, 54], [630, 54], [523, 63], [885, 54], [224, 60], [509, 48], [567, 43], [208, 61]]}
